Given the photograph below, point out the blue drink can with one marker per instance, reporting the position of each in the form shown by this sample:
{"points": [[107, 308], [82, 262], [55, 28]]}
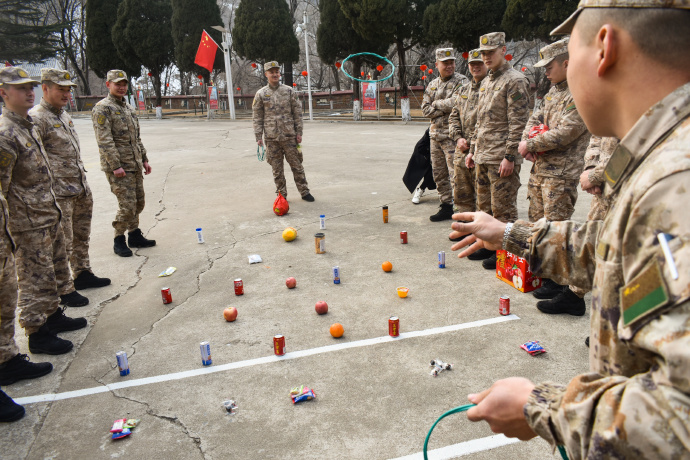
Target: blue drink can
{"points": [[205, 353], [122, 363], [442, 259], [336, 275]]}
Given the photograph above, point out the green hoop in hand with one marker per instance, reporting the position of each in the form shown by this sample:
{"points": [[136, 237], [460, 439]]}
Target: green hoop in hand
{"points": [[342, 68]]}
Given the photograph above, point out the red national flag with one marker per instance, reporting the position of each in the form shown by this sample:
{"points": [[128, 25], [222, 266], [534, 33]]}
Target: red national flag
{"points": [[206, 53]]}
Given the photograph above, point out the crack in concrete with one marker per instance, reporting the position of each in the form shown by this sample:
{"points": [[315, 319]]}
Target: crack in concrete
{"points": [[225, 138]]}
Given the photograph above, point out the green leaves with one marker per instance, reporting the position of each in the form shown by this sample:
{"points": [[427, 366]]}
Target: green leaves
{"points": [[263, 31]]}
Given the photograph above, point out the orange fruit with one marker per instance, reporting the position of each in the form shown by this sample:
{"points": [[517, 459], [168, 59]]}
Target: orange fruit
{"points": [[387, 266], [337, 330]]}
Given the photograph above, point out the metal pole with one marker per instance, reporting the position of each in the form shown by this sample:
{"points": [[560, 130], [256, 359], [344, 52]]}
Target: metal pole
{"points": [[227, 42], [306, 52]]}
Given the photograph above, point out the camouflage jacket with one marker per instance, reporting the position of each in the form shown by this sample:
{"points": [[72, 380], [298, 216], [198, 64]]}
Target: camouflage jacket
{"points": [[565, 142], [118, 135], [438, 101], [276, 113], [25, 175], [597, 155], [7, 246], [463, 118], [502, 114], [62, 146], [634, 402]]}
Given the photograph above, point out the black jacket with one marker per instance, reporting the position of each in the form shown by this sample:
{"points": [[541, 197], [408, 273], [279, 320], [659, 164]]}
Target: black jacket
{"points": [[419, 166]]}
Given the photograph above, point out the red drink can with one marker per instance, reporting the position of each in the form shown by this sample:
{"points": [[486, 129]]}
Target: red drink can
{"points": [[504, 305], [239, 287], [167, 296], [279, 345], [393, 326], [403, 237]]}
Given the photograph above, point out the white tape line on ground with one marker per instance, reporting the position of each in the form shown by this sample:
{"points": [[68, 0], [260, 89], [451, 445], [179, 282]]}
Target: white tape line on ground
{"points": [[256, 361], [463, 448]]}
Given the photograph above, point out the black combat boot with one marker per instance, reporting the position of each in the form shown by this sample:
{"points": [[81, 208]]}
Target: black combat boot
{"points": [[10, 411], [481, 254], [86, 280], [20, 367], [308, 197], [548, 290], [490, 263], [74, 299], [120, 247], [137, 240], [445, 212], [45, 341], [565, 302], [59, 322]]}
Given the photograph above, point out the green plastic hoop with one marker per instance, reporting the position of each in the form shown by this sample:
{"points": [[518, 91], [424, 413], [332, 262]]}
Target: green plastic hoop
{"points": [[362, 80]]}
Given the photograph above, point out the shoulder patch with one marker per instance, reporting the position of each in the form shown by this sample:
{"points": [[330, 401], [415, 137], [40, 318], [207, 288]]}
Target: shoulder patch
{"points": [[570, 107], [617, 164], [100, 119], [548, 98], [516, 96], [464, 96], [643, 295], [5, 159], [57, 125]]}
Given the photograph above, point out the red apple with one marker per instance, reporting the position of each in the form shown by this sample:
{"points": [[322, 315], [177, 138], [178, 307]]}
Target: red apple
{"points": [[291, 282], [230, 314], [321, 307]]}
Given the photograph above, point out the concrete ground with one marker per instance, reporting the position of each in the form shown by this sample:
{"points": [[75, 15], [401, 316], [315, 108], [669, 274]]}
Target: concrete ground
{"points": [[375, 397]]}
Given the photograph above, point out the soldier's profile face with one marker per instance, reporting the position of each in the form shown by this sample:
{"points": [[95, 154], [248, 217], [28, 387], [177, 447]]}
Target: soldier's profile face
{"points": [[556, 71], [273, 75], [56, 95], [18, 97], [446, 68]]}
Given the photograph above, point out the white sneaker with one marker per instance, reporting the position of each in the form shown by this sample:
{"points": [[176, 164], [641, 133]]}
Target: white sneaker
{"points": [[417, 195]]}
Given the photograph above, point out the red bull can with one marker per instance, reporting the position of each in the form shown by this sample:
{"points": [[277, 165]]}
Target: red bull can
{"points": [[167, 295], [239, 286], [279, 345], [336, 275], [205, 353], [442, 259], [122, 363], [393, 326], [504, 305]]}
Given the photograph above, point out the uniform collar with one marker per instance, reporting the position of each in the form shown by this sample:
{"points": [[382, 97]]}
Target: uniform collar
{"points": [[47, 106], [501, 70], [18, 119], [116, 100], [274, 87], [477, 84], [562, 86], [447, 78]]}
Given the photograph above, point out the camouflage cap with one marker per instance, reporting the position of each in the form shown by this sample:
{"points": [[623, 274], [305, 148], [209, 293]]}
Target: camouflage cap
{"points": [[567, 26], [492, 41], [60, 77], [15, 76], [475, 56], [116, 75], [549, 52], [271, 65], [445, 54]]}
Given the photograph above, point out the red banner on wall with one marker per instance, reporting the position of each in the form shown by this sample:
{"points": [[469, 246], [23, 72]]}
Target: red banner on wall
{"points": [[212, 98], [140, 100], [369, 96]]}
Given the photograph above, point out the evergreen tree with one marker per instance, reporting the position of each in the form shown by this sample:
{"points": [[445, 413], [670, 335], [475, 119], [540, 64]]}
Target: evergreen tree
{"points": [[263, 32], [100, 49], [142, 36], [189, 19], [462, 22], [25, 34], [336, 39], [530, 19]]}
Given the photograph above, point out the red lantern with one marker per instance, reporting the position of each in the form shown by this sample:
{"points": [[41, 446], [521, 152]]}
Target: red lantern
{"points": [[423, 77], [509, 57], [295, 85], [305, 73], [253, 65], [523, 69], [431, 71], [423, 67], [150, 74], [379, 67], [465, 55], [167, 84], [239, 89], [362, 73], [199, 77], [338, 65]]}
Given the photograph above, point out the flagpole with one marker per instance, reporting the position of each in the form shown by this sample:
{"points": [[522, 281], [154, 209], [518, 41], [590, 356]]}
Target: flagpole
{"points": [[227, 43]]}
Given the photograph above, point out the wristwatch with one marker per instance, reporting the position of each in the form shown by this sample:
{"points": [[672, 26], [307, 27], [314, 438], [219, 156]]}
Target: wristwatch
{"points": [[510, 158]]}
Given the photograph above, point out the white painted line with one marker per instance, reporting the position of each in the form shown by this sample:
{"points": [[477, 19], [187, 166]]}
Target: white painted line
{"points": [[463, 448], [48, 397]]}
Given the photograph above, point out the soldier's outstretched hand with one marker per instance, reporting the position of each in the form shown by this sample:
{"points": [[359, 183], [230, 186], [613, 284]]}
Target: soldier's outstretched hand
{"points": [[482, 229]]}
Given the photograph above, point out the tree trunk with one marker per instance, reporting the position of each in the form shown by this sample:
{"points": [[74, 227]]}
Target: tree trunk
{"points": [[356, 69], [287, 74], [336, 77], [157, 87], [401, 67]]}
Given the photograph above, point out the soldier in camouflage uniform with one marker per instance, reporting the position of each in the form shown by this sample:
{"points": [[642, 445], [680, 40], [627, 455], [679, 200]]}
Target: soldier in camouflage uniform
{"points": [[277, 117], [503, 112], [438, 101], [123, 159], [71, 189], [558, 156], [634, 402], [26, 179], [461, 123]]}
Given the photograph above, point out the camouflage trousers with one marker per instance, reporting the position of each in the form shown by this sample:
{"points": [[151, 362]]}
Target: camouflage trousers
{"points": [[551, 197], [8, 306], [129, 191], [497, 195], [442, 168], [76, 225], [276, 151], [43, 273], [464, 185], [597, 211]]}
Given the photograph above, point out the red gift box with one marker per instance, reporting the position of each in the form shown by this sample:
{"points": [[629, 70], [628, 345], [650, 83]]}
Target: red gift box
{"points": [[515, 271]]}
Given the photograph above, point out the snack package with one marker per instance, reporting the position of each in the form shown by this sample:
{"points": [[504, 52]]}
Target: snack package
{"points": [[254, 259], [533, 348], [122, 434], [301, 393], [131, 423], [168, 271], [118, 425]]}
